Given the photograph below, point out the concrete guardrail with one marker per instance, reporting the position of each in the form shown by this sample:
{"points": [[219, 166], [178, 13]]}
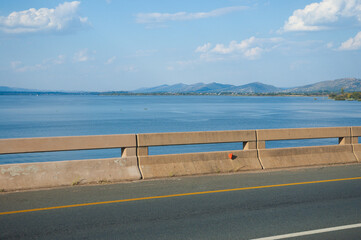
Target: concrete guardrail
{"points": [[135, 163], [51, 174]]}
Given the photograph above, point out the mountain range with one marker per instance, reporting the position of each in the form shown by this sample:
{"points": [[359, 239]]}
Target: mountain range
{"points": [[332, 86], [347, 84]]}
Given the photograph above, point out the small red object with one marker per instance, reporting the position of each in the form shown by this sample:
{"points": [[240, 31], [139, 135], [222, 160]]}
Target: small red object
{"points": [[230, 156]]}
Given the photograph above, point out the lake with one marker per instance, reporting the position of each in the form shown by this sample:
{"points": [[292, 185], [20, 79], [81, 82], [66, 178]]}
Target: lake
{"points": [[72, 115]]}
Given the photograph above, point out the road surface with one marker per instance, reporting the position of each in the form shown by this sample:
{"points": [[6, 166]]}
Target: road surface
{"points": [[313, 203]]}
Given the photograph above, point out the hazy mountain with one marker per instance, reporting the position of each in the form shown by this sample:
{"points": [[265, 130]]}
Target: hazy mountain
{"points": [[257, 87], [348, 84], [211, 88]]}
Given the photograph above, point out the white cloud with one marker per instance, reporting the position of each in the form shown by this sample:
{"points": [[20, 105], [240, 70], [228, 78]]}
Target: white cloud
{"points": [[18, 66], [84, 55], [316, 16], [63, 17], [110, 60], [204, 48], [352, 43], [250, 48], [183, 16], [253, 53]]}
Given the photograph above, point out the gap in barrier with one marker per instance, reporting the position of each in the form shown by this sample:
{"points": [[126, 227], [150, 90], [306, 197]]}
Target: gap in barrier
{"points": [[271, 144], [195, 148], [60, 156]]}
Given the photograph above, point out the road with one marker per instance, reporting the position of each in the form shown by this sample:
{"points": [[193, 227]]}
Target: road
{"points": [[232, 206]]}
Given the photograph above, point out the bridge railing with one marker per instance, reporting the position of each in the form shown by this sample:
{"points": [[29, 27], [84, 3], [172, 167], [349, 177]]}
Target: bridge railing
{"points": [[55, 144], [135, 163], [153, 166], [50, 174]]}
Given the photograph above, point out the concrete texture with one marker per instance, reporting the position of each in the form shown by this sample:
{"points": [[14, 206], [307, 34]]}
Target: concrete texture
{"points": [[357, 151], [49, 144], [198, 163], [182, 138], [356, 131], [53, 174], [302, 133], [135, 162], [306, 156]]}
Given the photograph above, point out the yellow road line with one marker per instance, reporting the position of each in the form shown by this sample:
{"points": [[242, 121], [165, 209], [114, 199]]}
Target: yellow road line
{"points": [[177, 195]]}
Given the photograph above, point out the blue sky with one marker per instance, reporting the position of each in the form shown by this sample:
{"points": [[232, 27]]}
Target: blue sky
{"points": [[102, 45]]}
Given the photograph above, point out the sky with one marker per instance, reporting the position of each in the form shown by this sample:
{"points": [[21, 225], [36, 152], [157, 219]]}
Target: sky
{"points": [[113, 45]]}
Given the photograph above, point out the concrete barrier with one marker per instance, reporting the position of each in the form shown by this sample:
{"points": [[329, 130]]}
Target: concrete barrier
{"points": [[135, 162], [53, 144], [52, 174], [305, 156], [356, 133], [197, 163]]}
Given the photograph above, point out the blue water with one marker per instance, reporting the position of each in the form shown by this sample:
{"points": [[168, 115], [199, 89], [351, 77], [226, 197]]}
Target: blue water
{"points": [[57, 115]]}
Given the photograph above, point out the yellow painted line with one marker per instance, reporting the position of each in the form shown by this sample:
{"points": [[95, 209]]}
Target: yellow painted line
{"points": [[177, 195]]}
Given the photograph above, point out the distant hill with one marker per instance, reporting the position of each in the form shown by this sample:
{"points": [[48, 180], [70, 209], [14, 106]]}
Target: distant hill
{"points": [[211, 88], [333, 86], [348, 85], [257, 87]]}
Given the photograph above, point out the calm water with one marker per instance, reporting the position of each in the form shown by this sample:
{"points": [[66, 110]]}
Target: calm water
{"points": [[41, 116]]}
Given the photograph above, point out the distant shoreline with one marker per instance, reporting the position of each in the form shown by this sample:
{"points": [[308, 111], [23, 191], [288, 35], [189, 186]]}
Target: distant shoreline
{"points": [[356, 96], [171, 94]]}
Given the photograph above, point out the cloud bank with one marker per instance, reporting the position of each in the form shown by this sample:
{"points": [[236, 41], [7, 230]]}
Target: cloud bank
{"points": [[352, 43], [84, 55], [250, 48], [18, 66], [61, 18], [316, 16], [148, 18]]}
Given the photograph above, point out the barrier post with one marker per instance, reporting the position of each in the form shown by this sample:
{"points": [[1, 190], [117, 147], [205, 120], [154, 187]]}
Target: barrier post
{"points": [[129, 152], [249, 145], [345, 140]]}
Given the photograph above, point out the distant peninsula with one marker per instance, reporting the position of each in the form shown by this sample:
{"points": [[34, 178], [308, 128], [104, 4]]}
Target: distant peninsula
{"points": [[331, 88]]}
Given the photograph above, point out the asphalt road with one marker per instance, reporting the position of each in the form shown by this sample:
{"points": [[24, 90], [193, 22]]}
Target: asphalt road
{"points": [[234, 206]]}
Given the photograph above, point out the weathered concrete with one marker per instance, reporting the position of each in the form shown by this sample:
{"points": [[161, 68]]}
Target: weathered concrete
{"points": [[183, 138], [50, 144], [357, 151], [356, 133], [135, 162], [306, 156], [53, 174], [198, 163], [302, 133]]}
